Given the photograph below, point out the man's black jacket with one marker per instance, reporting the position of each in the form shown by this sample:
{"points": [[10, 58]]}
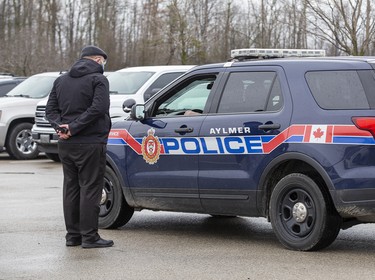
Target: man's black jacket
{"points": [[80, 98]]}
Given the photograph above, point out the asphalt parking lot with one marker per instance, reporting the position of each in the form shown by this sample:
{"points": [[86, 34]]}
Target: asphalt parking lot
{"points": [[155, 245]]}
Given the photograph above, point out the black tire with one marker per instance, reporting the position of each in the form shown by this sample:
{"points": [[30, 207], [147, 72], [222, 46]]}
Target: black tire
{"points": [[302, 215], [114, 211], [20, 144], [54, 157]]}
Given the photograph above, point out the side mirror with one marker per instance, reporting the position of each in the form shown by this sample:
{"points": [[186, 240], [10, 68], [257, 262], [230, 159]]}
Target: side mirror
{"points": [[127, 105], [138, 112]]}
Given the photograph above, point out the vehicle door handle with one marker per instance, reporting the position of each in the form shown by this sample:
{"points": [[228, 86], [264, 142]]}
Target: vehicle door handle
{"points": [[269, 126], [184, 130]]}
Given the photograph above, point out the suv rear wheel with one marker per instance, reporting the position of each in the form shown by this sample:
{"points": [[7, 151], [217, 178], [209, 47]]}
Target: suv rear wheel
{"points": [[302, 216], [20, 144]]}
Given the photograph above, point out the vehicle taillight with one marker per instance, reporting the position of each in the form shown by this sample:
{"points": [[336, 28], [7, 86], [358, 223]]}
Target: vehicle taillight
{"points": [[365, 123]]}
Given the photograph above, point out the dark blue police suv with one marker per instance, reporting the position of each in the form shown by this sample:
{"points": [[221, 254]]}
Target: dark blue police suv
{"points": [[290, 139]]}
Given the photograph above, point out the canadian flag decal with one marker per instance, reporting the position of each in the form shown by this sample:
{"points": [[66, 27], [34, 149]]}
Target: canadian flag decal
{"points": [[318, 134]]}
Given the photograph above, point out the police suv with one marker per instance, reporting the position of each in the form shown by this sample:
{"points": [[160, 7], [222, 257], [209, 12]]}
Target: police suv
{"points": [[290, 139]]}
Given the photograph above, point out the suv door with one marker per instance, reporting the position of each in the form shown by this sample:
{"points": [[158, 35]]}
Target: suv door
{"points": [[252, 109], [164, 173]]}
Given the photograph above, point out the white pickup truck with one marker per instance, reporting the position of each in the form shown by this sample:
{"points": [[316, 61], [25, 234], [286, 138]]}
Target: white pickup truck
{"points": [[17, 111]]}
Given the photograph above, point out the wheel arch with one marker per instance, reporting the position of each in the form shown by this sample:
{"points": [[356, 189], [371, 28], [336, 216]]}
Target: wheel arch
{"points": [[125, 189], [15, 122], [284, 165]]}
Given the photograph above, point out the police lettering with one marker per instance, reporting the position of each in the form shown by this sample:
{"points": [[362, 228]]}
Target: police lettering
{"points": [[213, 145]]}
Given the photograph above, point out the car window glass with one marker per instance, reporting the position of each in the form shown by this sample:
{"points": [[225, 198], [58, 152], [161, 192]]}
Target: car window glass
{"points": [[5, 88], [368, 81], [34, 87], [251, 92], [275, 101], [127, 82], [189, 99], [160, 82], [337, 89]]}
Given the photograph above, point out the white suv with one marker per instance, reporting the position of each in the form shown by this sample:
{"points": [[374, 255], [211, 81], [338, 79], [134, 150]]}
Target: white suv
{"points": [[138, 83], [17, 111]]}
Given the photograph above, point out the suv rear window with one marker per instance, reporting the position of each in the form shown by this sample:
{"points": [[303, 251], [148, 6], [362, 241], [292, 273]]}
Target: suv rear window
{"points": [[342, 89]]}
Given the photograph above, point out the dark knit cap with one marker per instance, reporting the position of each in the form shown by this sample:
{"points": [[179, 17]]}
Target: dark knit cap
{"points": [[93, 50]]}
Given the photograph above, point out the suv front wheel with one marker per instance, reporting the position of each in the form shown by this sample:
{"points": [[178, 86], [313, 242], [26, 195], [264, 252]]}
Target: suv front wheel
{"points": [[302, 216], [20, 144], [114, 211]]}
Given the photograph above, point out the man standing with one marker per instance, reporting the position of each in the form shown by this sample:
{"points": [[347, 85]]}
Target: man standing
{"points": [[78, 109]]}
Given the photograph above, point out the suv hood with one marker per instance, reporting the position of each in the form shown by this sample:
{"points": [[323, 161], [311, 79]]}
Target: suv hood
{"points": [[6, 102]]}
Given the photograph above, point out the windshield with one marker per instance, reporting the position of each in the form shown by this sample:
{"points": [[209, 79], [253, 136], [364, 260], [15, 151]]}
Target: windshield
{"points": [[33, 87], [127, 82]]}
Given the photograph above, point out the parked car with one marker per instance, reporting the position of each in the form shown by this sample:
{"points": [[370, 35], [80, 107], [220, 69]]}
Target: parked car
{"points": [[8, 82], [17, 112], [139, 83], [289, 139]]}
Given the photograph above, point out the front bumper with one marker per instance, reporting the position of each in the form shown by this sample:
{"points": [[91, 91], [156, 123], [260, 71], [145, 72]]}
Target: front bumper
{"points": [[46, 138]]}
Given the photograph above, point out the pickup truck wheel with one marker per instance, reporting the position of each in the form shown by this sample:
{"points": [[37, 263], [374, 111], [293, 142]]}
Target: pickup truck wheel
{"points": [[114, 211], [20, 144], [302, 216]]}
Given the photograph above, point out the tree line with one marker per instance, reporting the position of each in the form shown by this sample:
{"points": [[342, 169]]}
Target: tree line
{"points": [[48, 35]]}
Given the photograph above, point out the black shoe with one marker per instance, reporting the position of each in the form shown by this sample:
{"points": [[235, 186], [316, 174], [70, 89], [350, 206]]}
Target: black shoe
{"points": [[100, 243], [70, 243]]}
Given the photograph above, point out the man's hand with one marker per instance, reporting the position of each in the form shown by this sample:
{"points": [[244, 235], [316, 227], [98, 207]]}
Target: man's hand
{"points": [[64, 132]]}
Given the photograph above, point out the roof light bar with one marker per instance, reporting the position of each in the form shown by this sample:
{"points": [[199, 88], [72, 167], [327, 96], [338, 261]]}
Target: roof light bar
{"points": [[273, 53]]}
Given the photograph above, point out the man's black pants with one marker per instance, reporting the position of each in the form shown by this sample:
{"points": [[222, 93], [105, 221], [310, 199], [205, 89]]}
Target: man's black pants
{"points": [[83, 168]]}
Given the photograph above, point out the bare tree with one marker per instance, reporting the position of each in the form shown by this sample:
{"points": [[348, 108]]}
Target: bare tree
{"points": [[203, 15], [47, 35], [294, 23], [348, 25], [179, 36]]}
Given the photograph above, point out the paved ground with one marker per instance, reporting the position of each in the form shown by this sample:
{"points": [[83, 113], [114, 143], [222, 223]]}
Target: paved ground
{"points": [[155, 245]]}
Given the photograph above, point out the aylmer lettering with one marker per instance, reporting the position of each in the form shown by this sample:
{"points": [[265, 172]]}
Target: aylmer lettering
{"points": [[230, 130]]}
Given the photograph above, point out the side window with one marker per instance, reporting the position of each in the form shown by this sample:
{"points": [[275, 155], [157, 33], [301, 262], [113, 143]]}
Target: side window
{"points": [[4, 88], [275, 101], [189, 98], [251, 92], [160, 82], [337, 89]]}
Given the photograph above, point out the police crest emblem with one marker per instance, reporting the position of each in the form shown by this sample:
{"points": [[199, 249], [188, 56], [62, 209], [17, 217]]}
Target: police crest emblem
{"points": [[151, 147]]}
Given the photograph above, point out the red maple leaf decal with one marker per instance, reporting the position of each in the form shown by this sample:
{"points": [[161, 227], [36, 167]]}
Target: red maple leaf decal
{"points": [[318, 133]]}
